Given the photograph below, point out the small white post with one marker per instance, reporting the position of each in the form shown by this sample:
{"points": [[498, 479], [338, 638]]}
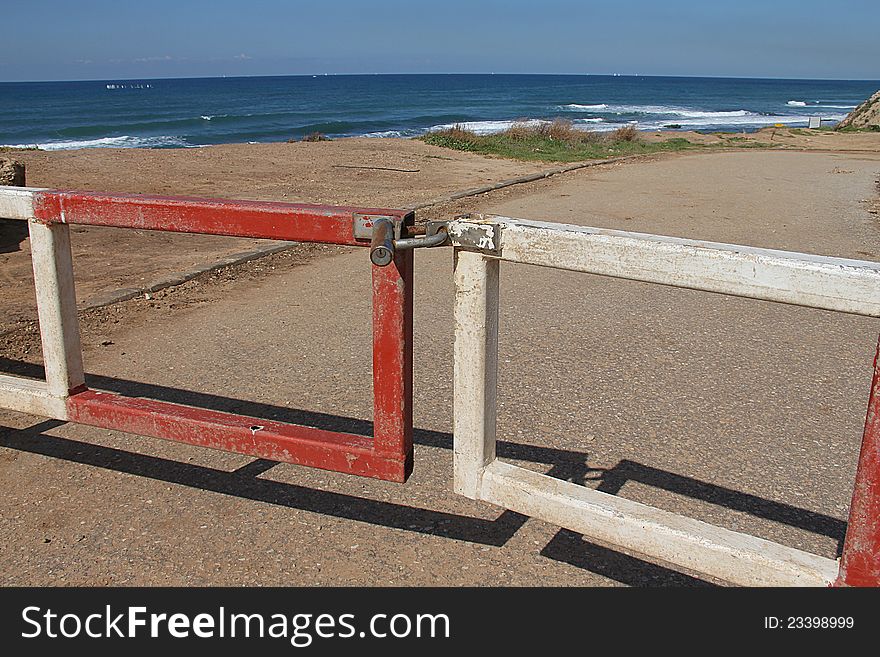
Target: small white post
{"points": [[475, 369], [56, 307]]}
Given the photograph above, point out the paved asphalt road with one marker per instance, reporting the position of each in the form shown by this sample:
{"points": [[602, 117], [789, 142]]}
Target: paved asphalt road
{"points": [[742, 413]]}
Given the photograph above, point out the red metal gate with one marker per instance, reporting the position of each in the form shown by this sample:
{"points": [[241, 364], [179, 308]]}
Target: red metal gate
{"points": [[388, 455]]}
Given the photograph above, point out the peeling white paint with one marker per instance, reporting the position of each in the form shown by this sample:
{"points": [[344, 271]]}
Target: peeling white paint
{"points": [[29, 396], [841, 284]]}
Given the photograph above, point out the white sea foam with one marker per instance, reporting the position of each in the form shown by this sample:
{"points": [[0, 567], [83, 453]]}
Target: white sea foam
{"points": [[667, 110], [389, 134], [487, 127], [685, 120], [107, 142], [584, 108], [650, 117], [752, 121], [796, 103], [384, 133], [678, 111], [409, 132]]}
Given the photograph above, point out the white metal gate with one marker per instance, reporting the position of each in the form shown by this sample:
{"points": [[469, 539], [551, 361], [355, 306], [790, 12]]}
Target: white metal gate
{"points": [[837, 284]]}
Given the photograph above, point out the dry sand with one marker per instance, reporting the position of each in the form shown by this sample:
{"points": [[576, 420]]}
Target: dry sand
{"points": [[344, 172]]}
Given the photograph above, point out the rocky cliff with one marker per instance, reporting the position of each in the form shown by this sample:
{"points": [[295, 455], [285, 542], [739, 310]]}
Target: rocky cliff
{"points": [[866, 115]]}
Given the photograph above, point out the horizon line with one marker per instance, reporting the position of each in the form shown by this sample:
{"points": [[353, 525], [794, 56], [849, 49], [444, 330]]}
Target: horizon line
{"points": [[306, 75]]}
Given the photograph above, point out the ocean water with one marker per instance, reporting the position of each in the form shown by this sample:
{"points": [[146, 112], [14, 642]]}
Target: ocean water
{"points": [[171, 113]]}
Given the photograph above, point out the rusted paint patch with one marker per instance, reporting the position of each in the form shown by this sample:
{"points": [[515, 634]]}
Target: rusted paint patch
{"points": [[860, 562], [392, 356]]}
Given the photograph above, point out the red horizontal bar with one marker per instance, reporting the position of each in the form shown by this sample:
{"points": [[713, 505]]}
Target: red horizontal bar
{"points": [[275, 441], [258, 219]]}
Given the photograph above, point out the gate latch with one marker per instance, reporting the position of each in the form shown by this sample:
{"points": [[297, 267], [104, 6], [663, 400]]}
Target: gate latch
{"points": [[386, 239]]}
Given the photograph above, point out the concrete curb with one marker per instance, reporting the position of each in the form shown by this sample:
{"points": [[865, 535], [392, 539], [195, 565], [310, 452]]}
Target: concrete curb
{"points": [[178, 278]]}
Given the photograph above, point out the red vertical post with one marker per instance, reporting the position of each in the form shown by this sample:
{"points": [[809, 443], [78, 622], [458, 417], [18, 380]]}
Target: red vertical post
{"points": [[860, 563], [392, 361]]}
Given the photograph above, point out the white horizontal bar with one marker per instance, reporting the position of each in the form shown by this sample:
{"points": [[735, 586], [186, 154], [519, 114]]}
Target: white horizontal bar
{"points": [[17, 202], [839, 284], [691, 544], [30, 396]]}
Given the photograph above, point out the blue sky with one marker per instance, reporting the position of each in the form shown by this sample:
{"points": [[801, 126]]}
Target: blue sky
{"points": [[104, 39]]}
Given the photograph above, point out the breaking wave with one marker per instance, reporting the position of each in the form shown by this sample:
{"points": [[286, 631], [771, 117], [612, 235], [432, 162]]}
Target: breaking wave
{"points": [[110, 142], [665, 110], [487, 127]]}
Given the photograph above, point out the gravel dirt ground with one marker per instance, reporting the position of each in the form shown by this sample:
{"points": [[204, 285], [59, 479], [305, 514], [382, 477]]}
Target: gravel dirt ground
{"points": [[741, 413]]}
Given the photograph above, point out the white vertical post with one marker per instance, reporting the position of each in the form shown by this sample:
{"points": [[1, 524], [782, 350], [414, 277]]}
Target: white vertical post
{"points": [[476, 368], [56, 307]]}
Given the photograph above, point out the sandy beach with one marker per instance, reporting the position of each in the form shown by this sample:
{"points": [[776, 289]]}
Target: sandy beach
{"points": [[748, 414]]}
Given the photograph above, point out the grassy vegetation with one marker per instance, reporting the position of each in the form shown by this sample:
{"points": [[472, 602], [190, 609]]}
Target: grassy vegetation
{"points": [[558, 141], [743, 142], [806, 132], [14, 149], [849, 128]]}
